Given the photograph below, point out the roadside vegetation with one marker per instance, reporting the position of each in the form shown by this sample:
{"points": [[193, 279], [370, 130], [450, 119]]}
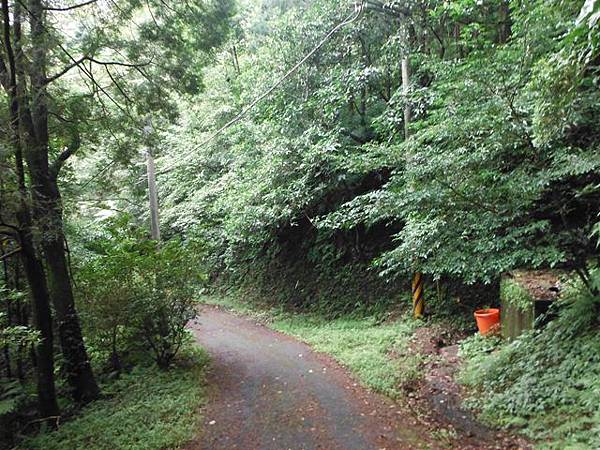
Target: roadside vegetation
{"points": [[145, 409], [545, 383], [135, 299], [89, 305]]}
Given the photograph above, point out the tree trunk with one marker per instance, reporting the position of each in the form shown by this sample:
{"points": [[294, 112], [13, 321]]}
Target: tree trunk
{"points": [[34, 270], [77, 365], [405, 91], [42, 318], [48, 214], [505, 21]]}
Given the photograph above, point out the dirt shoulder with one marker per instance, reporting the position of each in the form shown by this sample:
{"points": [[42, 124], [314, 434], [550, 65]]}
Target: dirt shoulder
{"points": [[439, 397]]}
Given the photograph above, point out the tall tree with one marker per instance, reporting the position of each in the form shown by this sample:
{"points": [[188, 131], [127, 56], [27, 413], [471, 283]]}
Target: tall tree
{"points": [[12, 82], [47, 208]]}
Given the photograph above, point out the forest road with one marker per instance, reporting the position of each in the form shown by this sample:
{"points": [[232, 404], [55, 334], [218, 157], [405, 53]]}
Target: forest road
{"points": [[270, 391]]}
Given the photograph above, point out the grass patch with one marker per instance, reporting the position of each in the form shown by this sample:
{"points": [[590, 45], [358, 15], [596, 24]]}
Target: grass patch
{"points": [[375, 352], [147, 409]]}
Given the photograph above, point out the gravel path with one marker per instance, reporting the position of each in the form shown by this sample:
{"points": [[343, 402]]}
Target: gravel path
{"points": [[270, 391]]}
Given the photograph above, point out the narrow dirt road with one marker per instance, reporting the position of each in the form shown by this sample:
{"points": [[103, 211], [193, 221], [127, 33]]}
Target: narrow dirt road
{"points": [[270, 391]]}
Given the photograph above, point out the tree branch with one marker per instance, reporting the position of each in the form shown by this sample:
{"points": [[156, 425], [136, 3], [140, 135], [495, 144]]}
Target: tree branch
{"points": [[9, 254], [117, 85], [81, 65], [66, 154], [78, 62], [9, 230], [69, 8], [56, 76]]}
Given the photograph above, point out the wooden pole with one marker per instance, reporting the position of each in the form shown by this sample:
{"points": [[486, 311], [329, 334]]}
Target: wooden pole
{"points": [[405, 91], [153, 196]]}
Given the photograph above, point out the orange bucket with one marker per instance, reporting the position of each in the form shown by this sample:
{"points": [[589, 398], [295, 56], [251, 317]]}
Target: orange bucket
{"points": [[487, 319]]}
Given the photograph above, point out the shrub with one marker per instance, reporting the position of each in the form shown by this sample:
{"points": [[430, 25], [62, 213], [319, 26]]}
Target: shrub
{"points": [[164, 300], [137, 295]]}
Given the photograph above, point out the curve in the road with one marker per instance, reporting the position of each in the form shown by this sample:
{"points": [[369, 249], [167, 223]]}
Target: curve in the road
{"points": [[270, 391]]}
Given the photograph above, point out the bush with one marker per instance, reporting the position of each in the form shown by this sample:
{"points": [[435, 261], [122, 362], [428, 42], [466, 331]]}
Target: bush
{"points": [[14, 336], [164, 300], [137, 295]]}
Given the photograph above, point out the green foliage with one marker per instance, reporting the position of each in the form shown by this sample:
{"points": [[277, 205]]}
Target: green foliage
{"points": [[478, 346], [16, 335], [136, 293], [279, 164], [12, 396], [500, 171], [146, 409], [546, 381], [11, 335], [515, 294], [315, 199]]}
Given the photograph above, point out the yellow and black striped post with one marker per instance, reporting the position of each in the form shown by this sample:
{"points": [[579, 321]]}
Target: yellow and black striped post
{"points": [[417, 295]]}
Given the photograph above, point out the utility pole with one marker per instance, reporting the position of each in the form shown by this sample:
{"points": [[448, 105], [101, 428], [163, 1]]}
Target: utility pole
{"points": [[417, 281], [153, 195], [405, 90], [152, 192]]}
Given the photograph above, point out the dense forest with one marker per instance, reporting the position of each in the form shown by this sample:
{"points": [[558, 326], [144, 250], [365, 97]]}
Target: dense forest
{"points": [[312, 156]]}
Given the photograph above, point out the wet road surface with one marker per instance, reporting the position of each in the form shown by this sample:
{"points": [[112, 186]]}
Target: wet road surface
{"points": [[269, 391]]}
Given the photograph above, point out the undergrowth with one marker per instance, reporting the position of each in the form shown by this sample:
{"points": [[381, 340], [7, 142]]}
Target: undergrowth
{"points": [[546, 382], [372, 348], [147, 409]]}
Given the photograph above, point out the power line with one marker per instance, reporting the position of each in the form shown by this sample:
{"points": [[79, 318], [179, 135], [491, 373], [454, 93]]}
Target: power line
{"points": [[358, 9]]}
